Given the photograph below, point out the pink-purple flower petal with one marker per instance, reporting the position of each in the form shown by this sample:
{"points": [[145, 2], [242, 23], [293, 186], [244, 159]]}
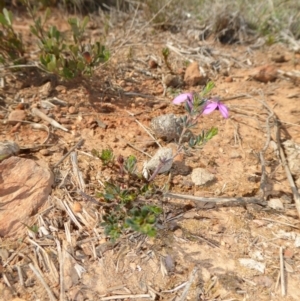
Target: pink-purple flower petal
{"points": [[210, 107], [223, 109], [182, 98]]}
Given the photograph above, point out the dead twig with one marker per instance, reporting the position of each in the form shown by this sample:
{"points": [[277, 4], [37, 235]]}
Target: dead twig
{"points": [[78, 144], [116, 297], [278, 222], [77, 172], [43, 282], [37, 112], [240, 200], [188, 285], [287, 169], [282, 276], [61, 271]]}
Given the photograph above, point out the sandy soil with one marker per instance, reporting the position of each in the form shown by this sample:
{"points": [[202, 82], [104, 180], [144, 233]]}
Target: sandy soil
{"points": [[196, 241]]}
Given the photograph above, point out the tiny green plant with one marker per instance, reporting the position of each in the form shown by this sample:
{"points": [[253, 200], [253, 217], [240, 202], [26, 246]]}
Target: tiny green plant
{"points": [[11, 45], [106, 155], [166, 54], [124, 211]]}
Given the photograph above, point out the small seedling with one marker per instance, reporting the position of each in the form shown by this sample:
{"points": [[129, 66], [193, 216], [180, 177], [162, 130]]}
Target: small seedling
{"points": [[166, 54], [106, 155]]}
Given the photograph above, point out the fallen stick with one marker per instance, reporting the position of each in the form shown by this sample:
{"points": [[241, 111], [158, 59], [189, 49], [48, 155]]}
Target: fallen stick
{"points": [[37, 112], [242, 200]]}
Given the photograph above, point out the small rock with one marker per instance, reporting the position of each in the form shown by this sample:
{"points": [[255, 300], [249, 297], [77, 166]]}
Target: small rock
{"points": [[193, 77], [278, 58], [201, 177], [190, 215], [152, 64], [163, 153], [288, 253], [178, 233], [228, 79], [170, 263], [265, 74], [166, 127], [252, 264], [72, 110], [45, 152], [276, 204], [46, 89], [16, 115], [25, 187], [7, 149], [77, 207], [173, 81], [234, 155], [64, 120]]}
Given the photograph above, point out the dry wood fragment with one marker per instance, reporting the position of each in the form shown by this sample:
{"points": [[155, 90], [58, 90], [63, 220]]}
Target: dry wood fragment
{"points": [[188, 285], [116, 297], [282, 274], [78, 144], [37, 112], [43, 282]]}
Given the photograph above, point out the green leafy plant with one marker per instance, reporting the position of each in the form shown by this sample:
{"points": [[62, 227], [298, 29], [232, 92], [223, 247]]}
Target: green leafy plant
{"points": [[106, 155], [67, 59], [122, 193], [126, 213], [11, 45], [204, 137]]}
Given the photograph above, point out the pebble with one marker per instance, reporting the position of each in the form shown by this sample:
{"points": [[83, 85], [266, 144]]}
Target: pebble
{"points": [[162, 153], [45, 152], [192, 76], [16, 115], [228, 79], [200, 176], [65, 120], [166, 127], [267, 73], [178, 233], [72, 110], [171, 80], [152, 64], [77, 207]]}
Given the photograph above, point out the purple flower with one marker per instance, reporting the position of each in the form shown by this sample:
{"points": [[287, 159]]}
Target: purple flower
{"points": [[215, 104], [184, 97]]}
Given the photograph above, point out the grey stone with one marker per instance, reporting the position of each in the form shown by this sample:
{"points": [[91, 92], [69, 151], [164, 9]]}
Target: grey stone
{"points": [[163, 153], [201, 177]]}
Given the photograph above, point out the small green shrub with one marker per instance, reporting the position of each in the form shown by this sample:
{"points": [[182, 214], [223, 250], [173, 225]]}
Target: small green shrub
{"points": [[67, 59], [11, 45], [121, 193]]}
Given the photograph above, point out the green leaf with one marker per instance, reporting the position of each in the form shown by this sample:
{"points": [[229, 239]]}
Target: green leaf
{"points": [[3, 21], [209, 86], [52, 65], [47, 15], [8, 16], [85, 22]]}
